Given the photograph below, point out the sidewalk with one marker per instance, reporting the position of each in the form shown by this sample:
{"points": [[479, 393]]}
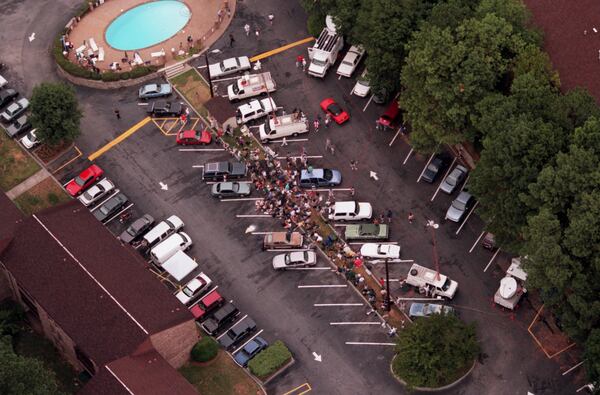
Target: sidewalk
{"points": [[32, 181]]}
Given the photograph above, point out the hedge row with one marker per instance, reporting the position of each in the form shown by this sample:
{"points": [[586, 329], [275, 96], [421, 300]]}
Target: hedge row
{"points": [[270, 360], [205, 350]]}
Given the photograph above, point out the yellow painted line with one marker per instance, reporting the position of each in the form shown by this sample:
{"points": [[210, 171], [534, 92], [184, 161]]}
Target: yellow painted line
{"points": [[79, 154], [304, 387], [173, 124], [280, 49], [196, 120], [119, 139]]}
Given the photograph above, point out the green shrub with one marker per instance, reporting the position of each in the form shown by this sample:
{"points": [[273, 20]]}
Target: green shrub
{"points": [[205, 350], [125, 76], [53, 198], [109, 76], [270, 360], [141, 71]]}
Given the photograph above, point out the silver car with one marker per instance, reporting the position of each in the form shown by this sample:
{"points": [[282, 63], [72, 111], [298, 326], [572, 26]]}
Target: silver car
{"points": [[454, 179], [96, 192], [294, 259], [231, 189], [459, 206]]}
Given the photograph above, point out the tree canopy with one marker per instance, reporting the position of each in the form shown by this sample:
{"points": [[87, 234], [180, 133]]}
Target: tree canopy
{"points": [[55, 113]]}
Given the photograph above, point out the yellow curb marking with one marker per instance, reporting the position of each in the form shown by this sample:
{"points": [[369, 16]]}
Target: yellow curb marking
{"points": [[120, 138], [550, 356], [79, 154], [304, 387], [280, 49]]}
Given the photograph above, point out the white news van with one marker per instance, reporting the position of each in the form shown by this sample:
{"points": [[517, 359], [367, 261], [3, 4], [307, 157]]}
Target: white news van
{"points": [[251, 85], [324, 53], [255, 109], [512, 286], [282, 126], [427, 281]]}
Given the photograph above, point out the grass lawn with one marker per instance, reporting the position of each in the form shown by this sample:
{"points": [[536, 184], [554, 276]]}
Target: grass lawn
{"points": [[15, 165], [221, 376], [192, 86], [43, 195], [30, 344]]}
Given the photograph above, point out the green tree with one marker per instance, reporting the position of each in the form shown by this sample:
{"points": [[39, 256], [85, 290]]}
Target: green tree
{"points": [[591, 356], [435, 351], [316, 12], [55, 113], [20, 375]]}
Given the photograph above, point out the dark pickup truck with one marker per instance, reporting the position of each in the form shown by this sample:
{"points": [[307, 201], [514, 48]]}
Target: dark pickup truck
{"points": [[220, 318], [165, 109], [216, 171], [237, 332]]}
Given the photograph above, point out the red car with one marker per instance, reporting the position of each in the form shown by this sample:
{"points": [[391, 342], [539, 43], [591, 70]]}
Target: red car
{"points": [[194, 137], [332, 108], [84, 180]]}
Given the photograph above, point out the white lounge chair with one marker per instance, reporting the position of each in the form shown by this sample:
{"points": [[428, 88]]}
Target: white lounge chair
{"points": [[157, 54], [137, 59], [93, 45], [100, 54], [81, 49]]}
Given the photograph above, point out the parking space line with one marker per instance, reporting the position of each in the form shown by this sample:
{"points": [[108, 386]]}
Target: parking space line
{"points": [[370, 344], [491, 260], [368, 102], [337, 304], [423, 299], [467, 218], [366, 242], [200, 149], [324, 286], [248, 341], [195, 123], [425, 167], [261, 233], [288, 141], [224, 79], [333, 189], [280, 49], [79, 154], [308, 157], [198, 166], [289, 249], [355, 323], [443, 178], [309, 268], [476, 241], [305, 388], [104, 201], [395, 136], [119, 213], [241, 199], [119, 139], [253, 216], [223, 334], [465, 183], [408, 156]]}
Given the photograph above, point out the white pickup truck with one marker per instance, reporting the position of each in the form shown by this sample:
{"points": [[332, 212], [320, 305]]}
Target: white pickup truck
{"points": [[250, 86], [255, 109], [324, 53]]}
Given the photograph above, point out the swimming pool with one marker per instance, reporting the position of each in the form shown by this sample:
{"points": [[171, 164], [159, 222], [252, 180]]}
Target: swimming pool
{"points": [[147, 24]]}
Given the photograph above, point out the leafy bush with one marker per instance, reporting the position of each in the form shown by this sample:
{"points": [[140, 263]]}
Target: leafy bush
{"points": [[53, 198], [435, 351], [205, 350], [270, 360], [125, 76], [141, 71], [11, 318], [109, 76]]}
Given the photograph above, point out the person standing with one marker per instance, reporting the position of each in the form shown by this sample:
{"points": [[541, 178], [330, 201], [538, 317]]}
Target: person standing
{"points": [[303, 64], [299, 60], [231, 40], [389, 216], [411, 217], [316, 125], [327, 120], [327, 144], [257, 33], [271, 17], [247, 29], [354, 164], [117, 113]]}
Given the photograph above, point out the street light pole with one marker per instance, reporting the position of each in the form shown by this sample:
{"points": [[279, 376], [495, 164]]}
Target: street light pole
{"points": [[208, 71], [432, 227], [387, 285]]}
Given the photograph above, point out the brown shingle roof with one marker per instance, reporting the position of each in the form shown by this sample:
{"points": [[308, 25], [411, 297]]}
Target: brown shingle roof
{"points": [[104, 328]]}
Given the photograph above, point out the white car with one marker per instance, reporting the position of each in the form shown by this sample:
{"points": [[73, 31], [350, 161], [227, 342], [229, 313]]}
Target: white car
{"points": [[362, 86], [194, 289], [229, 66], [30, 140], [254, 109], [380, 251], [350, 61], [96, 192], [294, 259]]}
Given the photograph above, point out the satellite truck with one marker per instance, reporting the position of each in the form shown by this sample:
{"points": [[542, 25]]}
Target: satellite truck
{"points": [[324, 53], [512, 286]]}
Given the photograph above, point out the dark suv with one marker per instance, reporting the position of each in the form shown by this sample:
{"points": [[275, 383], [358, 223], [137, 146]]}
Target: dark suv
{"points": [[216, 171], [110, 207], [237, 332], [434, 168], [220, 318], [165, 109]]}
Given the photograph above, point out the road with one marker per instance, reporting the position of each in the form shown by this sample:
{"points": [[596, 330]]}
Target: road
{"points": [[510, 363]]}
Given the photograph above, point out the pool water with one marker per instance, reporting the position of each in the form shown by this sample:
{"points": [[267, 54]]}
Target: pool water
{"points": [[147, 24]]}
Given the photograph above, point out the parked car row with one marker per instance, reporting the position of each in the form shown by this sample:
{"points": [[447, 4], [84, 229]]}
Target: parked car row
{"points": [[13, 111]]}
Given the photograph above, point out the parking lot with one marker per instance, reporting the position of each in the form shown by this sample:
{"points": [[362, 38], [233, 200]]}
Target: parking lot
{"points": [[324, 321]]}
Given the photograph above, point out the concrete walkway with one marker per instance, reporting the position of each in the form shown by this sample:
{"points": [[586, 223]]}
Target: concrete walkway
{"points": [[29, 183]]}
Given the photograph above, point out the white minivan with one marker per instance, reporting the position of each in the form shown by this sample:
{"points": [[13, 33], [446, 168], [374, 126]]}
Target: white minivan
{"points": [[282, 126], [255, 109], [169, 246], [163, 230], [430, 282], [351, 211]]}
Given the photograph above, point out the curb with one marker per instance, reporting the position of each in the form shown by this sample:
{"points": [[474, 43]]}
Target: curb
{"points": [[277, 373], [431, 389]]}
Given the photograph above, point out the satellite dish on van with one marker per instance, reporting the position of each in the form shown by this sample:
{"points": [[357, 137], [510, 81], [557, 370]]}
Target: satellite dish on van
{"points": [[508, 287], [329, 23]]}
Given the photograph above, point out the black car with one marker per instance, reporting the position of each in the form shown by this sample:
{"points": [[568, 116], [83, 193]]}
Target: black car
{"points": [[165, 109], [19, 126], [434, 169], [110, 207], [237, 332], [220, 318], [136, 229], [6, 96], [216, 171]]}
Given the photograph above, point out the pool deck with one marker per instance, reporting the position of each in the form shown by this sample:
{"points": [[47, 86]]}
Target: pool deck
{"points": [[201, 26]]}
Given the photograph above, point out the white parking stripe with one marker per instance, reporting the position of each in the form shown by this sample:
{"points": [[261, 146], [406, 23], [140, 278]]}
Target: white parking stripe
{"points": [[408, 156], [382, 242], [119, 213], [337, 304], [309, 268], [104, 201], [395, 136], [200, 149], [249, 340], [443, 178], [356, 323], [332, 189], [308, 157], [253, 216], [240, 320], [369, 102], [261, 233], [289, 249], [324, 286], [425, 167], [467, 218], [476, 241], [491, 260], [241, 199], [289, 141], [198, 166], [370, 344]]}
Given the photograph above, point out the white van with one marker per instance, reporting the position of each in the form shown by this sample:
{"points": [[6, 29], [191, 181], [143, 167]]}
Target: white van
{"points": [[168, 247], [3, 81], [427, 280], [255, 109], [163, 230], [179, 265], [351, 211], [250, 86], [282, 126]]}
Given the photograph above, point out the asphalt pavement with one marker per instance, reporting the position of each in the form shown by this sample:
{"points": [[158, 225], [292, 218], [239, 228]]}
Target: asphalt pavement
{"points": [[511, 363]]}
